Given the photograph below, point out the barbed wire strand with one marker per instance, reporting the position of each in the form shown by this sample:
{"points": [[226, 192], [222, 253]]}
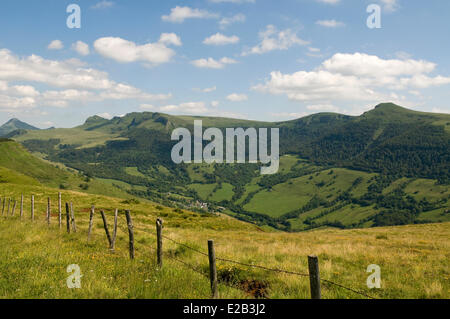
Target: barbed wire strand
{"points": [[179, 243], [263, 267], [350, 289], [192, 267], [184, 245], [267, 268], [232, 261]]}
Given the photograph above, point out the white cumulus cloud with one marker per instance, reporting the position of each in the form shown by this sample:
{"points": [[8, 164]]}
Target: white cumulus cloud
{"points": [[179, 14], [125, 51], [55, 45], [354, 77], [227, 21], [211, 63], [220, 39], [81, 48], [272, 39], [170, 38], [390, 5], [237, 97], [73, 83]]}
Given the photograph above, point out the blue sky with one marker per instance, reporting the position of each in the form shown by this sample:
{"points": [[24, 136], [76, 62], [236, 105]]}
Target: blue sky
{"points": [[255, 59]]}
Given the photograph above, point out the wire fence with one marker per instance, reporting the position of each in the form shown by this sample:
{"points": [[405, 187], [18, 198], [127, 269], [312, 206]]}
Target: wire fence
{"points": [[186, 264], [252, 266], [170, 256]]}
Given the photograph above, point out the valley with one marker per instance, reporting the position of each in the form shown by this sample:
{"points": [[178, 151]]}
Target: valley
{"points": [[348, 217], [386, 167]]}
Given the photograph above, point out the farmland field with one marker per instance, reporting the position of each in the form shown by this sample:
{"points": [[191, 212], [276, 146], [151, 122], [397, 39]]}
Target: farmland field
{"points": [[413, 259]]}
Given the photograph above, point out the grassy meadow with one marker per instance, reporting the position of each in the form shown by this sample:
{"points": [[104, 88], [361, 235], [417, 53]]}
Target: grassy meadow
{"points": [[34, 256], [327, 184]]}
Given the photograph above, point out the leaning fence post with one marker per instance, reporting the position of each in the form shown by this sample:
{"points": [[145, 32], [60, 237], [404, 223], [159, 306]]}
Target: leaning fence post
{"points": [[130, 233], [49, 210], [105, 225], [314, 277], [59, 210], [159, 242], [212, 269], [32, 207], [21, 206], [91, 222], [9, 204], [68, 218], [74, 225], [14, 208], [113, 242]]}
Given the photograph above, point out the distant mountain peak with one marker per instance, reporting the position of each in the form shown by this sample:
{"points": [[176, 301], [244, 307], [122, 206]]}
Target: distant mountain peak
{"points": [[13, 125], [95, 118], [384, 109], [14, 120], [94, 122], [389, 106]]}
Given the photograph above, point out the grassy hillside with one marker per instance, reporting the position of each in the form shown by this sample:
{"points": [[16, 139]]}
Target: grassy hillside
{"points": [[388, 166], [18, 166], [34, 257]]}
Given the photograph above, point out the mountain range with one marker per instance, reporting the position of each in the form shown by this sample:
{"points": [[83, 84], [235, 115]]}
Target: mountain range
{"points": [[388, 166]]}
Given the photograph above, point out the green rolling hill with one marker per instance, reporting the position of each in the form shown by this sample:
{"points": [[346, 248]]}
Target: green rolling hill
{"points": [[18, 166], [388, 166], [303, 195]]}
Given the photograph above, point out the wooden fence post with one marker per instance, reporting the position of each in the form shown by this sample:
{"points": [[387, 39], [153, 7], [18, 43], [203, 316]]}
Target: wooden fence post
{"points": [[74, 225], [49, 210], [9, 204], [91, 222], [14, 208], [21, 206], [212, 269], [113, 242], [3, 208], [59, 210], [32, 207], [105, 225], [130, 233], [159, 242], [68, 218], [314, 277]]}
